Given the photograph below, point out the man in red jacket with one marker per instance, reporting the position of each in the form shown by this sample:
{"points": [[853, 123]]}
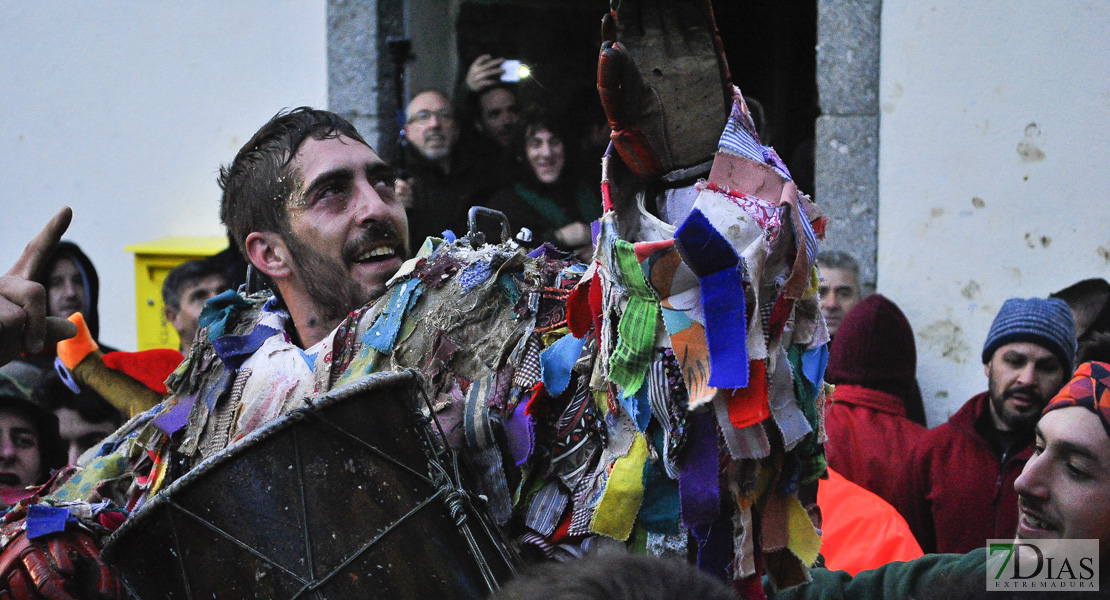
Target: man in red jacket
{"points": [[957, 489]]}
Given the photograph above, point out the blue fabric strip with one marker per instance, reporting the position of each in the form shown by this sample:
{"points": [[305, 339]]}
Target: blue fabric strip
{"points": [[218, 309], [704, 249], [44, 520], [309, 359], [716, 264], [814, 363], [382, 335], [556, 363], [638, 406], [726, 330]]}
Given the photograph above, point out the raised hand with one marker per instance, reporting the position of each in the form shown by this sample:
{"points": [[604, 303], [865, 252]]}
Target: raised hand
{"points": [[24, 326], [664, 84]]}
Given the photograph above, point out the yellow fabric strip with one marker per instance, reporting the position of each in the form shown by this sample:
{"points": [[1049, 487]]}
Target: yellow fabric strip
{"points": [[804, 539], [620, 503]]}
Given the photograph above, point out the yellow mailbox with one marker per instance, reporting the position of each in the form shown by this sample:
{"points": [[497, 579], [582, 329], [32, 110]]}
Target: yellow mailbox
{"points": [[153, 261]]}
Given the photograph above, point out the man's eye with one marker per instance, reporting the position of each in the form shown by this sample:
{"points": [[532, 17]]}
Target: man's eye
{"points": [[25, 441], [1078, 473]]}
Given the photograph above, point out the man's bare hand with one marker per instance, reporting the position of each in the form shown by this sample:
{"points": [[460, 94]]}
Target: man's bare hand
{"points": [[484, 72], [24, 326], [403, 192]]}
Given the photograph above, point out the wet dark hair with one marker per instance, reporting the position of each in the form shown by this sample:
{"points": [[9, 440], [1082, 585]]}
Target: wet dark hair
{"points": [[258, 184]]}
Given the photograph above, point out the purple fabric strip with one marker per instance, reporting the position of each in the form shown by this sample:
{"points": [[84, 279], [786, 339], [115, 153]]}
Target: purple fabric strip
{"points": [[518, 431], [697, 473], [176, 417], [715, 547], [234, 349]]}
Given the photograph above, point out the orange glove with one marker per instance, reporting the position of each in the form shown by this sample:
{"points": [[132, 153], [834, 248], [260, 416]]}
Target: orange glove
{"points": [[75, 349]]}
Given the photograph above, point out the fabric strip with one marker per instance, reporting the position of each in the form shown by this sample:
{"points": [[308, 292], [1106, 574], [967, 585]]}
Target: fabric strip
{"points": [[697, 481]]}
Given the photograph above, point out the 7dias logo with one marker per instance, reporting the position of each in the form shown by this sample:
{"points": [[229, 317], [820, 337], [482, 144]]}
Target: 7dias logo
{"points": [[1045, 565]]}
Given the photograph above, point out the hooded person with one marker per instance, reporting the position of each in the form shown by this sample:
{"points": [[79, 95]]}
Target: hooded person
{"points": [[72, 286], [873, 363], [30, 447]]}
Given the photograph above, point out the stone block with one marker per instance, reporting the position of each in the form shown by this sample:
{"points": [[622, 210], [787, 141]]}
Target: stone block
{"points": [[846, 163], [848, 56]]}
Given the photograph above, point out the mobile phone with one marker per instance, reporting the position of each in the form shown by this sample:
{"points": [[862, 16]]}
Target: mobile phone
{"points": [[512, 70]]}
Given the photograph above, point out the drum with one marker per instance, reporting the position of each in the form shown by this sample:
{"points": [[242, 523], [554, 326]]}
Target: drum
{"points": [[352, 496]]}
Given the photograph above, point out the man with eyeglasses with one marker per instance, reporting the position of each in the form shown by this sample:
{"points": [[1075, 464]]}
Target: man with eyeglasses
{"points": [[441, 186]]}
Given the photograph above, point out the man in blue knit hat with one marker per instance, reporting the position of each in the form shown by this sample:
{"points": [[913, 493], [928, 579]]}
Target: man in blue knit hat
{"points": [[957, 490]]}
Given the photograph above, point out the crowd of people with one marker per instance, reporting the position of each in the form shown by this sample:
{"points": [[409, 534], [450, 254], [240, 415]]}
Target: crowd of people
{"points": [[1028, 457]]}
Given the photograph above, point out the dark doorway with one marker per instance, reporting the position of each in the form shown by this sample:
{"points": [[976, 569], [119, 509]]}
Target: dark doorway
{"points": [[557, 39], [771, 49], [772, 52]]}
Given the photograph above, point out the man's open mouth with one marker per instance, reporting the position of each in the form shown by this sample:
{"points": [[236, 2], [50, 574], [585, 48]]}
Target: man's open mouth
{"points": [[379, 254], [9, 480]]}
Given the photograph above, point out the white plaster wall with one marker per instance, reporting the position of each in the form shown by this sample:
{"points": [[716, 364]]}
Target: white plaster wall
{"points": [[125, 110], [994, 152]]}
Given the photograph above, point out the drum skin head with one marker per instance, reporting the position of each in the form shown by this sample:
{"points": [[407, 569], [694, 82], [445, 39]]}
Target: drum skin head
{"points": [[336, 500]]}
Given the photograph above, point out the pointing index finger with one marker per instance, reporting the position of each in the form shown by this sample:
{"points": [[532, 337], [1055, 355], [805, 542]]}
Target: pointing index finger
{"points": [[36, 251]]}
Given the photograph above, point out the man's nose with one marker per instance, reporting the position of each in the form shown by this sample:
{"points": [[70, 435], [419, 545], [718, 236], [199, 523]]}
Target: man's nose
{"points": [[1031, 481], [7, 448], [828, 301], [1026, 375], [369, 204], [71, 288]]}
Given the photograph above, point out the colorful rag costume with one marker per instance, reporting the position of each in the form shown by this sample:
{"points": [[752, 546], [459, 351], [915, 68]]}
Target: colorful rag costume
{"points": [[711, 356], [455, 313]]}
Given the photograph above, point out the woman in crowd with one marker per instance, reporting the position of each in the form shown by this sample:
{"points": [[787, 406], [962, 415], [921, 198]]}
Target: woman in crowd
{"points": [[552, 201]]}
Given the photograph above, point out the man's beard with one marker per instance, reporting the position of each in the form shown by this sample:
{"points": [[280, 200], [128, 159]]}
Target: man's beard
{"points": [[1014, 420], [335, 292]]}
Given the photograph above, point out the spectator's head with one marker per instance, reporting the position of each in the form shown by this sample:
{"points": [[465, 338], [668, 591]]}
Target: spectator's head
{"points": [[1089, 301], [430, 126], [185, 290], [543, 147], [311, 206], [1062, 490], [1027, 356], [84, 419], [874, 348], [616, 577], [29, 443], [838, 289], [498, 113], [71, 285]]}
